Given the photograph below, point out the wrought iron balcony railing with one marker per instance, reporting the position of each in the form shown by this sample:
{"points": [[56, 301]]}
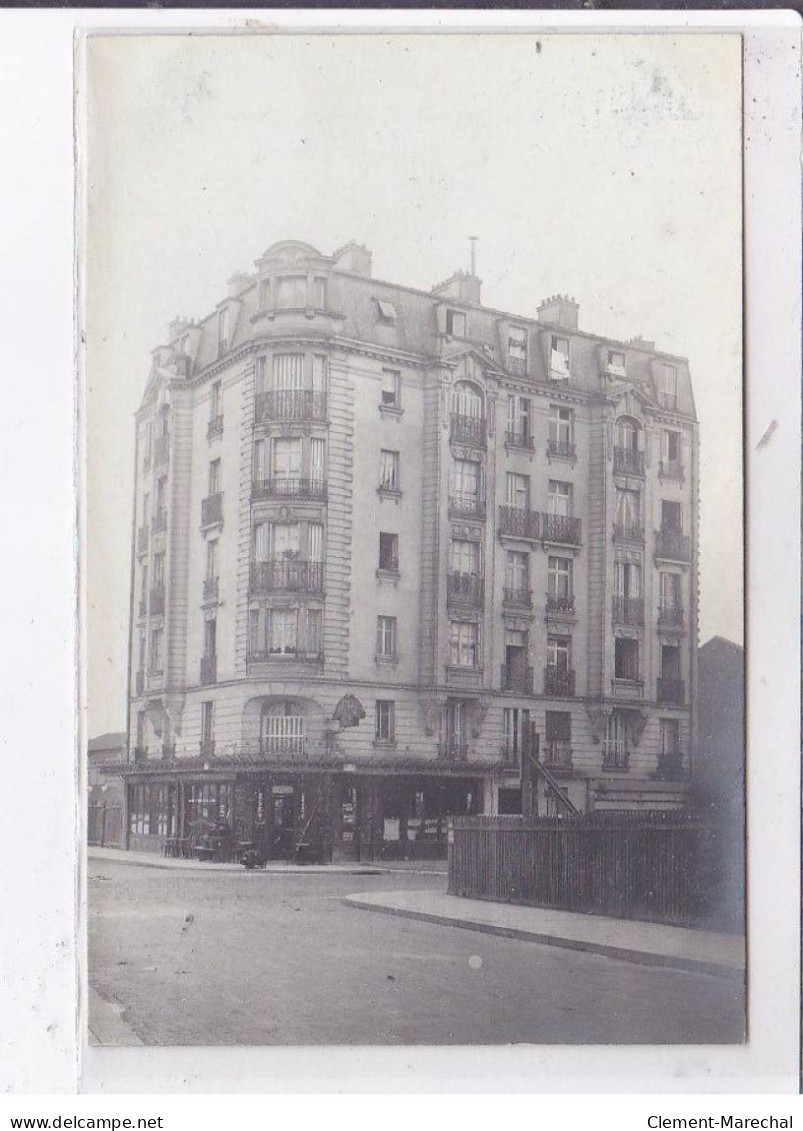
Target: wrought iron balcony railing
{"points": [[558, 754], [263, 655], [453, 750], [564, 448], [519, 522], [291, 404], [215, 426], [466, 589], [468, 429], [628, 610], [514, 678], [471, 506], [628, 462], [157, 600], [671, 691], [288, 488], [211, 588], [283, 746], [615, 755], [161, 450], [559, 681], [556, 604], [518, 597], [515, 439], [673, 545], [671, 616], [209, 669], [561, 528], [212, 509], [671, 469], [628, 532], [287, 575]]}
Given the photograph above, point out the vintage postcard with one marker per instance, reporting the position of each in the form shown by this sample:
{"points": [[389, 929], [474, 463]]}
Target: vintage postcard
{"points": [[414, 539]]}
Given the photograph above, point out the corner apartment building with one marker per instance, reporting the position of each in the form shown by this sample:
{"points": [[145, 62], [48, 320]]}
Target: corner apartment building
{"points": [[380, 531]]}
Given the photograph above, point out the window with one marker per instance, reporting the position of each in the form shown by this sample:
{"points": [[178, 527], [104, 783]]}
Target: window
{"points": [[558, 739], [561, 429], [518, 491], [387, 311], [291, 292], [628, 509], [254, 640], [626, 665], [669, 386], [616, 363], [211, 559], [142, 717], [260, 375], [465, 639], [155, 659], [517, 348], [514, 726], [282, 632], [628, 434], [560, 497], [207, 723], [464, 556], [559, 358], [517, 571], [214, 401], [388, 470], [315, 542], [455, 324], [223, 330], [288, 371], [386, 636], [264, 293], [214, 477], [670, 516], [315, 632], [669, 584], [559, 577], [670, 663], [467, 400], [158, 570], [210, 637], [283, 540], [320, 364], [558, 651], [390, 388], [161, 494], [670, 738], [670, 449], [283, 730], [518, 417], [616, 753], [627, 579], [286, 458], [144, 593], [142, 647], [317, 462], [148, 441], [319, 293], [466, 481], [389, 552], [385, 720]]}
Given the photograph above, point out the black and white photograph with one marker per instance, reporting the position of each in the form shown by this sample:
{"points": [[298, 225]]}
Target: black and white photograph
{"points": [[413, 547]]}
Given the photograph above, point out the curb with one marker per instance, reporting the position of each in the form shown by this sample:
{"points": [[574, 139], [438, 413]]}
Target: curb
{"points": [[624, 954], [237, 869]]}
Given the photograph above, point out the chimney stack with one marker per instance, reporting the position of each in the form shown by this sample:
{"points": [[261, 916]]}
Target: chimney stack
{"points": [[559, 310]]}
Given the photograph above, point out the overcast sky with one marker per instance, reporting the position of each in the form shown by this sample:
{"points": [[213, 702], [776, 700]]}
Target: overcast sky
{"points": [[607, 167]]}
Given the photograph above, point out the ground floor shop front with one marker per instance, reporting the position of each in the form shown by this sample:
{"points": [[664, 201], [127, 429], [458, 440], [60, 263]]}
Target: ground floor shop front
{"points": [[321, 814]]}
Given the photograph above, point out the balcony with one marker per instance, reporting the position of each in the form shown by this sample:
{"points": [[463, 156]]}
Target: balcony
{"points": [[671, 766], [562, 449], [673, 545], [558, 754], [628, 532], [161, 450], [468, 429], [561, 528], [671, 469], [615, 755], [517, 598], [140, 682], [628, 610], [466, 589], [282, 488], [157, 600], [214, 427], [159, 522], [212, 509], [291, 404], [262, 656], [142, 540], [670, 616], [628, 462], [283, 746], [522, 440], [515, 678], [560, 605], [467, 506], [211, 588], [209, 669], [518, 522], [453, 750], [559, 681], [671, 691], [287, 575]]}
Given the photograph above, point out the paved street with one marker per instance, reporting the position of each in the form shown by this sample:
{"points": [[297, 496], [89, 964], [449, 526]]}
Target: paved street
{"points": [[259, 959]]}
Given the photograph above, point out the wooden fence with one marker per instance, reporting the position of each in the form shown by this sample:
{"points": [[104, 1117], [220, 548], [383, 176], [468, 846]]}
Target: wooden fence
{"points": [[663, 867]]}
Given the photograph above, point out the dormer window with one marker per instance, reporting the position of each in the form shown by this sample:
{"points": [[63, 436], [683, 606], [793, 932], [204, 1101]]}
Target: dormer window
{"points": [[517, 349], [390, 388], [558, 358], [387, 311], [264, 294], [223, 330], [669, 386], [455, 324], [319, 293], [616, 363], [291, 292]]}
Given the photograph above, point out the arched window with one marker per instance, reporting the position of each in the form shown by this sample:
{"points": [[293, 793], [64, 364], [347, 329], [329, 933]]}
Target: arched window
{"points": [[282, 728], [467, 400], [629, 434]]}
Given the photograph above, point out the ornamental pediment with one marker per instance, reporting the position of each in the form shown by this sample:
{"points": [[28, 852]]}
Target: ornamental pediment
{"points": [[470, 364]]}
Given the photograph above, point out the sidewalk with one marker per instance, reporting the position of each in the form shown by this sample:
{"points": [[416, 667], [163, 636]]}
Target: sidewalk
{"points": [[652, 944], [152, 860], [106, 1024]]}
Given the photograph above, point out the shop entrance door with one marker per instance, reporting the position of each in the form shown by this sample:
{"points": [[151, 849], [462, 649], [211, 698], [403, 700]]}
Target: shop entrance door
{"points": [[284, 822]]}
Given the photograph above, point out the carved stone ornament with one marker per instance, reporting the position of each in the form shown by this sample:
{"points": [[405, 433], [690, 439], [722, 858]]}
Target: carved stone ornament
{"points": [[349, 711], [156, 716], [637, 721]]}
